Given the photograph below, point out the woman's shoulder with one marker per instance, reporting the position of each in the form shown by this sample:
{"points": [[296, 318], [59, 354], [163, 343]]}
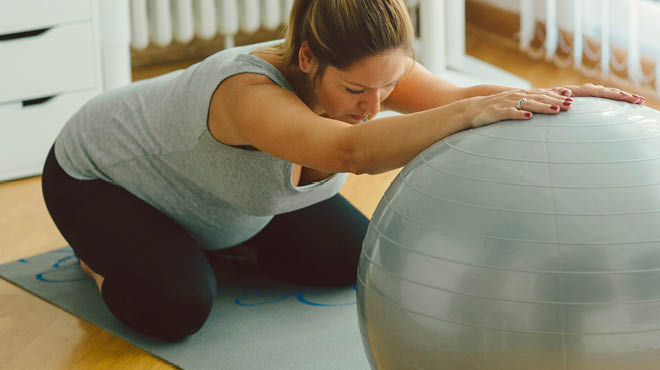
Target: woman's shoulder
{"points": [[219, 119]]}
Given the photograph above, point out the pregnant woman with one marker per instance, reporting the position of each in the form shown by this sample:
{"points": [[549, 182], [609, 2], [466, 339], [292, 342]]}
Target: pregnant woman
{"points": [[250, 147]]}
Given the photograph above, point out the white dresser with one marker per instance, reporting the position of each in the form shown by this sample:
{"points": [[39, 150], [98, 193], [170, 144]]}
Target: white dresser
{"points": [[54, 56]]}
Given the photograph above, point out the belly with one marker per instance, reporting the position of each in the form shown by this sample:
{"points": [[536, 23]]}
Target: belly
{"points": [[304, 176]]}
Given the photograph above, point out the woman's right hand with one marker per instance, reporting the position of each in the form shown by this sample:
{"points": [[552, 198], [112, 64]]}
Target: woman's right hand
{"points": [[484, 110]]}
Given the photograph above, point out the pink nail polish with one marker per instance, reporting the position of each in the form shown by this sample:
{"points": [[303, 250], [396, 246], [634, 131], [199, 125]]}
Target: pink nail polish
{"points": [[528, 114], [554, 107]]}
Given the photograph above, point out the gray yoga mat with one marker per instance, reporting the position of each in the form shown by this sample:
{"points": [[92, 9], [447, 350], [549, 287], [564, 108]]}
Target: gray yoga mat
{"points": [[257, 323]]}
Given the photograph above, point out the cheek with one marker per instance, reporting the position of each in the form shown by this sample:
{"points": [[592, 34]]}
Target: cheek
{"points": [[341, 103]]}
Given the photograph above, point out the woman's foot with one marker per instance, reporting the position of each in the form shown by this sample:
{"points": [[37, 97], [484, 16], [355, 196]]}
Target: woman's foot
{"points": [[87, 270], [242, 252]]}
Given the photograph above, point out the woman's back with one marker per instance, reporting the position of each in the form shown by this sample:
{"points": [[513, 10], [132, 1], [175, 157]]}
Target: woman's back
{"points": [[152, 139]]}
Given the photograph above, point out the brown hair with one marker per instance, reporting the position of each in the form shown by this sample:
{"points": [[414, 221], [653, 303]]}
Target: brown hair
{"points": [[342, 32]]}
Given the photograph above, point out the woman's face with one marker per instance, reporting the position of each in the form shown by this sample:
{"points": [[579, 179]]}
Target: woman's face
{"points": [[355, 94]]}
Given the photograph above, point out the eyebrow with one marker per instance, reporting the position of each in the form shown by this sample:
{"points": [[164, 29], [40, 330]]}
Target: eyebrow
{"points": [[367, 87]]}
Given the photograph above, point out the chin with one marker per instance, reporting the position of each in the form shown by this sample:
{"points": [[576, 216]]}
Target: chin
{"points": [[351, 121]]}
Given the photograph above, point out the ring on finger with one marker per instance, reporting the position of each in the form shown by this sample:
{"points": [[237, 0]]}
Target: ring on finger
{"points": [[520, 104]]}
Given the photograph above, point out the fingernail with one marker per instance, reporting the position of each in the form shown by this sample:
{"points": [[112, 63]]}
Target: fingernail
{"points": [[528, 114], [567, 103], [565, 93], [568, 99], [554, 107]]}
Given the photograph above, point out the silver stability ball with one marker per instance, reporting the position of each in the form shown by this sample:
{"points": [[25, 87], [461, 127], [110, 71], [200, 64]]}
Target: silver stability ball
{"points": [[521, 245]]}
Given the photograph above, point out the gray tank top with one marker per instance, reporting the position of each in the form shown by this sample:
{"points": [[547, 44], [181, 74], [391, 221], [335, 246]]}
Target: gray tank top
{"points": [[151, 138]]}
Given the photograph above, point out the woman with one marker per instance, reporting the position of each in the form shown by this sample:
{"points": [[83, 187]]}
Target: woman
{"points": [[252, 146]]}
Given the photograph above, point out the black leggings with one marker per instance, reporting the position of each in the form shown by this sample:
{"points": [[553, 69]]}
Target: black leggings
{"points": [[157, 278]]}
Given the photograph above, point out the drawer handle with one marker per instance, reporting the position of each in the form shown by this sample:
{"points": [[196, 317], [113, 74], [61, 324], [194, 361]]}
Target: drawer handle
{"points": [[21, 35], [37, 100], [17, 105]]}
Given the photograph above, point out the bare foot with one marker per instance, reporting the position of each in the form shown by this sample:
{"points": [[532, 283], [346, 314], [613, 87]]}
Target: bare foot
{"points": [[87, 270], [247, 251], [242, 252]]}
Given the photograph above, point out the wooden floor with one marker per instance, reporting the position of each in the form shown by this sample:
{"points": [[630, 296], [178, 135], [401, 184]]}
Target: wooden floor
{"points": [[37, 335]]}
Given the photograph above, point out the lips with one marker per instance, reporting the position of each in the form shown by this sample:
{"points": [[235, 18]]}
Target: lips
{"points": [[359, 118]]}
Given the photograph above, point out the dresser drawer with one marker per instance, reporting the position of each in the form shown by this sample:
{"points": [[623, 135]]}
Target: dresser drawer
{"points": [[26, 15], [59, 60], [27, 133]]}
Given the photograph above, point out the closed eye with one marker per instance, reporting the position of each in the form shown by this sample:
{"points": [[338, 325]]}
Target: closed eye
{"points": [[355, 92]]}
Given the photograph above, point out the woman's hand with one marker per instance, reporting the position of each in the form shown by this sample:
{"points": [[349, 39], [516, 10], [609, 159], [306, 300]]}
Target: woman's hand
{"points": [[521, 104], [598, 91], [515, 104]]}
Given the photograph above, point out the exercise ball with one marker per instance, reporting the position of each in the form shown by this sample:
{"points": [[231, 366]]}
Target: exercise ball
{"points": [[521, 245]]}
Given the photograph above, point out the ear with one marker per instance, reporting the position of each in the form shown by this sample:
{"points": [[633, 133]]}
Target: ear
{"points": [[307, 61]]}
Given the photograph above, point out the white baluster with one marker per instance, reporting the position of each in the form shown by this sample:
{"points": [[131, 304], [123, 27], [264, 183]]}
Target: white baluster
{"points": [[605, 38], [205, 21], [160, 22], [139, 24], [634, 59], [527, 23], [184, 24], [657, 73], [270, 18], [249, 15], [228, 20], [286, 10], [551, 29], [577, 33]]}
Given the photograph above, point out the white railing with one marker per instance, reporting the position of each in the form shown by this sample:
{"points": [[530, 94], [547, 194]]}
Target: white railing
{"points": [[441, 46], [630, 25]]}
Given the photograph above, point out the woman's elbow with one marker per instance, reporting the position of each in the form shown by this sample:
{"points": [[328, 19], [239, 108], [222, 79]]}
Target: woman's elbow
{"points": [[355, 160]]}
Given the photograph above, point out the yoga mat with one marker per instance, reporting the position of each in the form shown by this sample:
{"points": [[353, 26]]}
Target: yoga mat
{"points": [[257, 323]]}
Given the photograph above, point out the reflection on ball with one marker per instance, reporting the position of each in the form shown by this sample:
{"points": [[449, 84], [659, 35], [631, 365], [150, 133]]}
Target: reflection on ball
{"points": [[521, 245]]}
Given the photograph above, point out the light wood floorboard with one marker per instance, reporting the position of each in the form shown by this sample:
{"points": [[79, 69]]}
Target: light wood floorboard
{"points": [[37, 335]]}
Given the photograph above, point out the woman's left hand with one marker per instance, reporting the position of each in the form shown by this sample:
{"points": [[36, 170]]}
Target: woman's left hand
{"points": [[598, 91]]}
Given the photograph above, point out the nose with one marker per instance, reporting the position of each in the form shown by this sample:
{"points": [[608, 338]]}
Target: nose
{"points": [[371, 102]]}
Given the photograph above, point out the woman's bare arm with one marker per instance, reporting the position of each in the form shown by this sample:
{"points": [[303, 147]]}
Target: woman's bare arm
{"points": [[277, 122], [420, 90]]}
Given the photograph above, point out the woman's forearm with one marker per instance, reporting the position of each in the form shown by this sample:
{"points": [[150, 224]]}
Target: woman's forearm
{"points": [[484, 90], [391, 142]]}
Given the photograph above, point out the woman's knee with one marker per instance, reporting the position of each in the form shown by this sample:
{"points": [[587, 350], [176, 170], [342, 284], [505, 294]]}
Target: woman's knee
{"points": [[185, 318], [168, 313]]}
